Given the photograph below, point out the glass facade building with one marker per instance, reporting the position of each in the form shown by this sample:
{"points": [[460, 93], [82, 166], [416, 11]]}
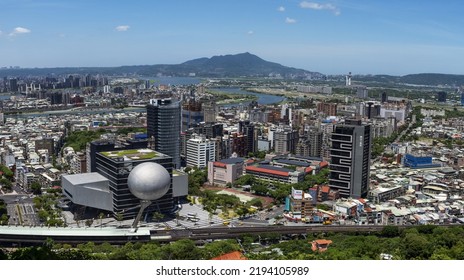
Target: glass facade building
{"points": [[164, 126]]}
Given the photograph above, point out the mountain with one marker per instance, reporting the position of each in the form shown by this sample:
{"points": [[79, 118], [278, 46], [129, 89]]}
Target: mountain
{"points": [[427, 79], [244, 64], [238, 65]]}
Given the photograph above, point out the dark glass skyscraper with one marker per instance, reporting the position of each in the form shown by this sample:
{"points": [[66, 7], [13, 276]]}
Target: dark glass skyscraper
{"points": [[164, 124], [350, 159]]}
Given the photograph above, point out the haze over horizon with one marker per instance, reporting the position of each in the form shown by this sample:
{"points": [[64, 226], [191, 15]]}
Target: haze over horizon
{"points": [[332, 37]]}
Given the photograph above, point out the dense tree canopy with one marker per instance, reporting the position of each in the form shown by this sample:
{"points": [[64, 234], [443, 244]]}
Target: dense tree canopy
{"points": [[420, 243]]}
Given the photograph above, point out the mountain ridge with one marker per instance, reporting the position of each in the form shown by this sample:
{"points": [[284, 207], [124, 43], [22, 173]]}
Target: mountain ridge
{"points": [[230, 65]]}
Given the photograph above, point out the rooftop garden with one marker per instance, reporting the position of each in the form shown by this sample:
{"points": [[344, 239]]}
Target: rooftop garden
{"points": [[132, 154]]}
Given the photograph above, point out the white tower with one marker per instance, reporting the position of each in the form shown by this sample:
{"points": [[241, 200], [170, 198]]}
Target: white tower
{"points": [[348, 79]]}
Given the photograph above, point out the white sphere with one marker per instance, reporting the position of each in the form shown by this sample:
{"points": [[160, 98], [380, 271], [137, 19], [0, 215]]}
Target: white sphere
{"points": [[149, 181]]}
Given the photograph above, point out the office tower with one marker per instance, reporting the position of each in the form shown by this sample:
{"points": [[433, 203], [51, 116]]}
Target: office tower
{"points": [[14, 85], [116, 166], [350, 159], [441, 96], [384, 97], [163, 124], [200, 151], [191, 114]]}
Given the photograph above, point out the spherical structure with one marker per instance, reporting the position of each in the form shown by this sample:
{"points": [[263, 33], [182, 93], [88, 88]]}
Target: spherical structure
{"points": [[149, 181]]}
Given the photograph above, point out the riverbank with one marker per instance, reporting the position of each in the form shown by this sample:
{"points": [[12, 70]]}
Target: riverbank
{"points": [[228, 98], [292, 93]]}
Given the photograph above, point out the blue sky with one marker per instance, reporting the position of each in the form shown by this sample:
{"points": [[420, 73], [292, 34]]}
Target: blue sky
{"points": [[332, 37]]}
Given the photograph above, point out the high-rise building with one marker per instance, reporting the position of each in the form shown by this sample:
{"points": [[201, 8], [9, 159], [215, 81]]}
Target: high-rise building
{"points": [[441, 96], [330, 109], [384, 97], [285, 140], [191, 114], [200, 151], [14, 85], [209, 111], [163, 124], [350, 159], [248, 129], [315, 142]]}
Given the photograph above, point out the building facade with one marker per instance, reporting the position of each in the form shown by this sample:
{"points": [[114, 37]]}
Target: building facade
{"points": [[200, 151], [350, 159], [116, 166], [164, 125]]}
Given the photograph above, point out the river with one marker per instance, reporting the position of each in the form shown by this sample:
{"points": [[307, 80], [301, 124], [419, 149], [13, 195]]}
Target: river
{"points": [[263, 99]]}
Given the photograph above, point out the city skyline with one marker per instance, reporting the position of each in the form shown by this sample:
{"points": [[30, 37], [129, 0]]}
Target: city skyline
{"points": [[331, 37]]}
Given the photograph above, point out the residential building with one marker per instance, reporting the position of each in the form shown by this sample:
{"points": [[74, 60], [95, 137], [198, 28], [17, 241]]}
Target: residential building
{"points": [[285, 140]]}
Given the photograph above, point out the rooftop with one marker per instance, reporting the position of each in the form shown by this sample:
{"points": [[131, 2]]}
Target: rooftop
{"points": [[85, 178], [134, 154]]}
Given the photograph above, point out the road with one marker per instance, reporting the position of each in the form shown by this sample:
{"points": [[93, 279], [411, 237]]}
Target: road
{"points": [[20, 208]]}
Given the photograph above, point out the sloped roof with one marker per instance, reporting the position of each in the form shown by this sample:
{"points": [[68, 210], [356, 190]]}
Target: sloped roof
{"points": [[235, 255]]}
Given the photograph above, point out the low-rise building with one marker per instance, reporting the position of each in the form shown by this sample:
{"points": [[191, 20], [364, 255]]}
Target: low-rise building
{"points": [[225, 171]]}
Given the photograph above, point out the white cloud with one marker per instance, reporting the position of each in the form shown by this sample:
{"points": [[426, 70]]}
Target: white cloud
{"points": [[290, 20], [122, 28], [281, 9], [19, 30], [319, 7], [250, 32]]}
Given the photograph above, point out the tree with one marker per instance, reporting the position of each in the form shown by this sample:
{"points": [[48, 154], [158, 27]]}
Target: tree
{"points": [[100, 216], [6, 171], [259, 189], [5, 183], [157, 216], [119, 217], [89, 222], [36, 188]]}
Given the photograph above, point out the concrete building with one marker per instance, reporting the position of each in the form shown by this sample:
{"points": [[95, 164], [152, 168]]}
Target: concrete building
{"points": [[200, 151], [350, 159], [225, 171], [209, 111], [275, 174], [285, 140], [329, 109], [89, 189], [301, 204]]}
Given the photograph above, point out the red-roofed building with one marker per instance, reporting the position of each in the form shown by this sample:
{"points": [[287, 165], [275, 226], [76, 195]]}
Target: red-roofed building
{"points": [[225, 171], [275, 174], [232, 256], [320, 245]]}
